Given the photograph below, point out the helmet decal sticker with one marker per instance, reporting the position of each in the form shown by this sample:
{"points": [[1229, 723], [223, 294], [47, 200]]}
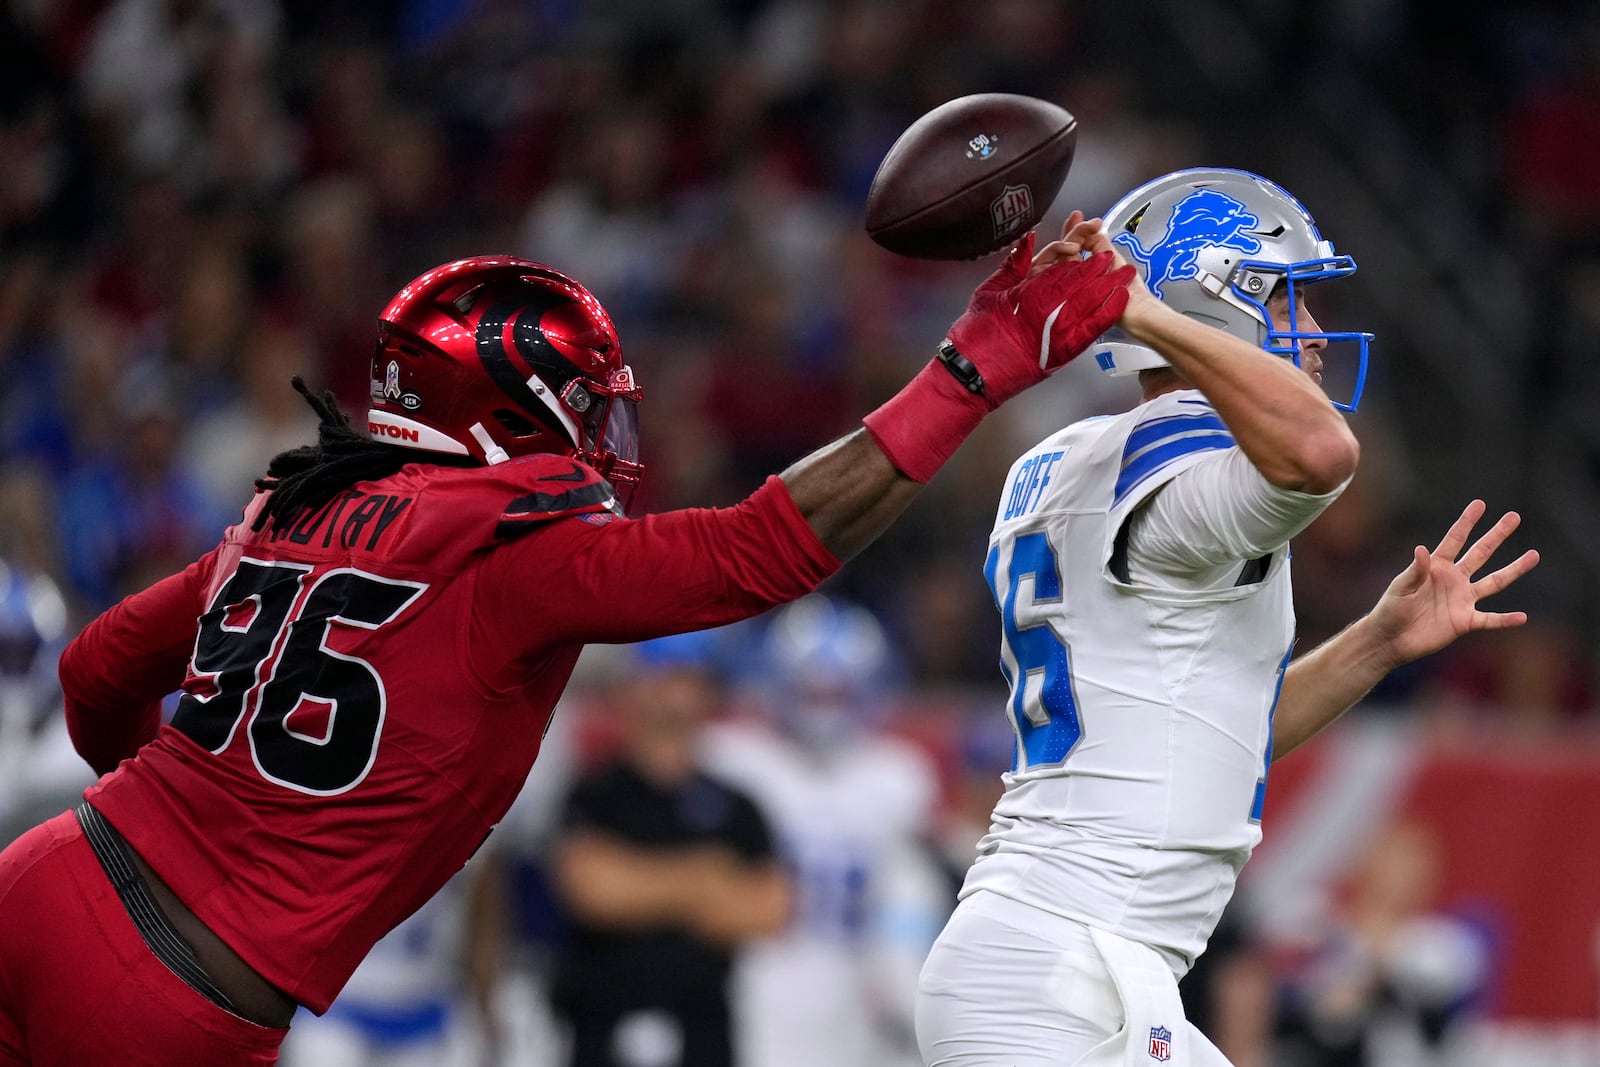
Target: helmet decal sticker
{"points": [[1203, 219]]}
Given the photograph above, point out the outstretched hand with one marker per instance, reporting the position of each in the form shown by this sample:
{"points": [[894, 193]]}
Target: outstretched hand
{"points": [[1038, 312], [1435, 599], [1081, 237]]}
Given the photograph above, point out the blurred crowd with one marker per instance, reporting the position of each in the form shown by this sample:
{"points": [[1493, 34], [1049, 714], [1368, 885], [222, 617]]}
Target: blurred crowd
{"points": [[201, 198]]}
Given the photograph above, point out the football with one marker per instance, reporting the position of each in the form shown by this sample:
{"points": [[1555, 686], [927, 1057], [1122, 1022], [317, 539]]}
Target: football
{"points": [[971, 176]]}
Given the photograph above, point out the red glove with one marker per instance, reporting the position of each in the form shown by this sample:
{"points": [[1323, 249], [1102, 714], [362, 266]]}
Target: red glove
{"points": [[1017, 331]]}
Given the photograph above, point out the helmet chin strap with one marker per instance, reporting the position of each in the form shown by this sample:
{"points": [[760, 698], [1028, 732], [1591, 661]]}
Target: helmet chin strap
{"points": [[492, 453]]}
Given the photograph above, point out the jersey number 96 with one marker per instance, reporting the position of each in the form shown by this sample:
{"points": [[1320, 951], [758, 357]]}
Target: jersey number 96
{"points": [[258, 611]]}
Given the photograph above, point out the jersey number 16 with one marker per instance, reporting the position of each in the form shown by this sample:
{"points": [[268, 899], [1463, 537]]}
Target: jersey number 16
{"points": [[1043, 705]]}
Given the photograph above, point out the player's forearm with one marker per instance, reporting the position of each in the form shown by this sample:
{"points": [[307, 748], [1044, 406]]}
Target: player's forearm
{"points": [[487, 931], [849, 493], [1326, 682], [612, 884], [1277, 415], [747, 903]]}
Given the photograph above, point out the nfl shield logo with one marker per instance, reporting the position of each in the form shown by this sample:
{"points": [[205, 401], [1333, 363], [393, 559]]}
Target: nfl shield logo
{"points": [[1011, 209], [1160, 1043]]}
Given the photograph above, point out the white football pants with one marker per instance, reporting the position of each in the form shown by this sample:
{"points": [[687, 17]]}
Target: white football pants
{"points": [[1008, 984]]}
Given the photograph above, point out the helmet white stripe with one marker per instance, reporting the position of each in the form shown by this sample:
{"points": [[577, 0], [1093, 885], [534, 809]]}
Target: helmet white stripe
{"points": [[548, 397], [394, 429]]}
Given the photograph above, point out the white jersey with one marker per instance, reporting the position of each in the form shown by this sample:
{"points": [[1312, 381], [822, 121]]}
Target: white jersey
{"points": [[1145, 638], [868, 901]]}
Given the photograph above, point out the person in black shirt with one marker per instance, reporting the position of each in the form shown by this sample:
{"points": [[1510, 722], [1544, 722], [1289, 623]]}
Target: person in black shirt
{"points": [[663, 872]]}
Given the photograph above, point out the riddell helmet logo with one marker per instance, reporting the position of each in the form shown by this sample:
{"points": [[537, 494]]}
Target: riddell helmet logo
{"points": [[399, 433], [1011, 209]]}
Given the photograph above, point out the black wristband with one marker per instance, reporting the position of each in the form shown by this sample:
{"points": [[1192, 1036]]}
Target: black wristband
{"points": [[961, 367]]}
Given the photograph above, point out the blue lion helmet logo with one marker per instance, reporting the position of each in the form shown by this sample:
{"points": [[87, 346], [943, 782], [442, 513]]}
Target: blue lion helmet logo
{"points": [[1200, 220]]}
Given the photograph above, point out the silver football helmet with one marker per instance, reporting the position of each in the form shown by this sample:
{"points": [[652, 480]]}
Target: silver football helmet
{"points": [[1213, 244], [829, 666]]}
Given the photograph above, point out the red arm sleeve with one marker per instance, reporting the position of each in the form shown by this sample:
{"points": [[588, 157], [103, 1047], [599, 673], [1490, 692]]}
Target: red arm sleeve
{"points": [[115, 673], [586, 579]]}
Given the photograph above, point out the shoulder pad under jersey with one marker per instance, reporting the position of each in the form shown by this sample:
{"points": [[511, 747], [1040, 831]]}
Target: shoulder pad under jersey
{"points": [[484, 505], [1170, 433]]}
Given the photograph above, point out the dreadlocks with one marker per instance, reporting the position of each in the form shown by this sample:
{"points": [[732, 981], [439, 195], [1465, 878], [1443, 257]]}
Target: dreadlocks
{"points": [[312, 475]]}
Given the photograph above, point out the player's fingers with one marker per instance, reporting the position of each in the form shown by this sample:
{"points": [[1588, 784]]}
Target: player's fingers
{"points": [[1072, 220], [1498, 620], [1411, 579], [1017, 262], [1099, 241], [1066, 273], [1082, 230], [1054, 252], [1487, 545], [1012, 269], [1456, 536], [1490, 584]]}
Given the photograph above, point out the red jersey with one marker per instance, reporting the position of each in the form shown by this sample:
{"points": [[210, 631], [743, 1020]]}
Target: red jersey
{"points": [[365, 690]]}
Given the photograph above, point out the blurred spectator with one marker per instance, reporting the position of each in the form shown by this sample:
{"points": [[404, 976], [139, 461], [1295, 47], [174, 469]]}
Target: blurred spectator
{"points": [[28, 534], [148, 60], [1230, 994], [985, 746], [134, 514], [333, 280], [229, 447], [771, 399], [200, 334], [1536, 681], [1552, 146], [33, 424], [611, 222], [1389, 978], [946, 603], [853, 811], [664, 871]]}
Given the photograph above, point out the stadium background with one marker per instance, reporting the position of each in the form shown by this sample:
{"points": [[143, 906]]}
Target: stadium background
{"points": [[200, 197]]}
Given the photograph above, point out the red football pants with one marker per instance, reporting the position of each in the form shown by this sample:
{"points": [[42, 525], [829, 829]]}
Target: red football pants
{"points": [[78, 985]]}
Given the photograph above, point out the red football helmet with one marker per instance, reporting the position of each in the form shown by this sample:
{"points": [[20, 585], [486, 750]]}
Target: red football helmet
{"points": [[496, 357]]}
